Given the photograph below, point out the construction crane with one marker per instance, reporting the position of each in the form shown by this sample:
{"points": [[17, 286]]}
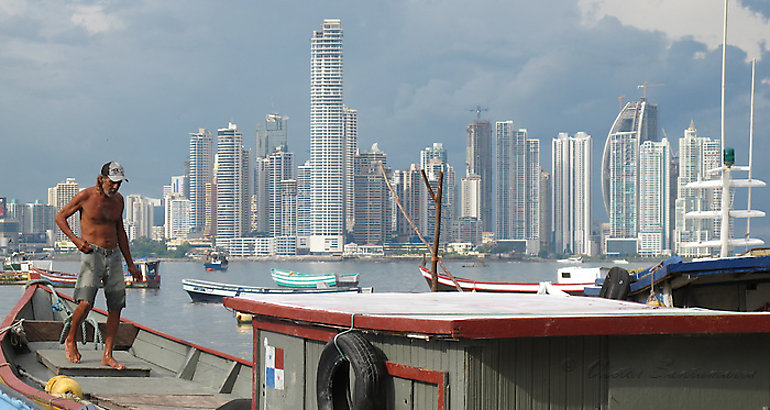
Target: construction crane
{"points": [[645, 86], [478, 111]]}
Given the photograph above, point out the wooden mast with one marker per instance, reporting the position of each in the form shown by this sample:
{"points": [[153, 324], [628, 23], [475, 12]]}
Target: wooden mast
{"points": [[434, 252]]}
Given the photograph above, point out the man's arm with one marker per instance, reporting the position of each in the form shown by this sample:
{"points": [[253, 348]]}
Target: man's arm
{"points": [[68, 210], [123, 245]]}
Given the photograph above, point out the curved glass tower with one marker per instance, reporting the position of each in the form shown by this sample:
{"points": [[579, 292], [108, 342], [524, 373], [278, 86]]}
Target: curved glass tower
{"points": [[636, 123]]}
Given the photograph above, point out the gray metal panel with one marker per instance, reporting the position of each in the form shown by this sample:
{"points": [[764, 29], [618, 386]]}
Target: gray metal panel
{"points": [[313, 351], [292, 396]]}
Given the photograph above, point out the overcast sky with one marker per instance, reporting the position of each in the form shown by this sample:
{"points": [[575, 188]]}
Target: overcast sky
{"points": [[85, 82]]}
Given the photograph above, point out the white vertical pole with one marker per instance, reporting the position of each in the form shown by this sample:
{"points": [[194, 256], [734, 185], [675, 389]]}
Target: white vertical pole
{"points": [[751, 141], [724, 59]]}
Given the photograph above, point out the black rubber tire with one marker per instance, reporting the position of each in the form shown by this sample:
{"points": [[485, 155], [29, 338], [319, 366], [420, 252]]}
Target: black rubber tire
{"points": [[616, 285], [333, 378], [236, 404]]}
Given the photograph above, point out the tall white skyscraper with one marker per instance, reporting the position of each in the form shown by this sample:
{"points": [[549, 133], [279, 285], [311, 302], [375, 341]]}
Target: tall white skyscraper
{"points": [[654, 198], [303, 203], [233, 183], [201, 159], [177, 212], [518, 187], [59, 196], [571, 181], [327, 139], [696, 156], [271, 134], [437, 150]]}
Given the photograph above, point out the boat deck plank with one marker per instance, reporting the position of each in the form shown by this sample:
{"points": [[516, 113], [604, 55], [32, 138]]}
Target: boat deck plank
{"points": [[160, 402], [90, 364]]}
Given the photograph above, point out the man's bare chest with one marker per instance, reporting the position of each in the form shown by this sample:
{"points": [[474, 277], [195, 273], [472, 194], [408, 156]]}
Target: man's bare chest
{"points": [[100, 212]]}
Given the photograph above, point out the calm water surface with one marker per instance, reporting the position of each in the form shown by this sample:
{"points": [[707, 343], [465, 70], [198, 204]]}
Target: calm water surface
{"points": [[170, 310]]}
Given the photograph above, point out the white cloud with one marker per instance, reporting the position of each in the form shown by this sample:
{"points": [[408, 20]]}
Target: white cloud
{"points": [[94, 19], [701, 20]]}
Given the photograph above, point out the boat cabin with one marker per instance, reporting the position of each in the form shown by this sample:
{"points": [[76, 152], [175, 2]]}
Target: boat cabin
{"points": [[486, 350]]}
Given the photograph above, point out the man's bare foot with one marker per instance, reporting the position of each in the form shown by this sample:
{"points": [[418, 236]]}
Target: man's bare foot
{"points": [[110, 361], [71, 351]]}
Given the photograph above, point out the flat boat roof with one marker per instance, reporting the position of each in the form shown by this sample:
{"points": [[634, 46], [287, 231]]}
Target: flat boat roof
{"points": [[473, 315]]}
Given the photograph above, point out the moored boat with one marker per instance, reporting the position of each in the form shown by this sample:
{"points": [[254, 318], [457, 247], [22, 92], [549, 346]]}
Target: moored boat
{"points": [[294, 279], [161, 371], [148, 267], [216, 261], [206, 291], [571, 280]]}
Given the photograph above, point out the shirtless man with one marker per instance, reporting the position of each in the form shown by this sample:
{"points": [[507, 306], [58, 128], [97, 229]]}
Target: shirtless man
{"points": [[101, 226]]}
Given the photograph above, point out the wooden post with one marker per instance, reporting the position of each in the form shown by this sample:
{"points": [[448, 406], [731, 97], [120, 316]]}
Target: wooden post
{"points": [[434, 253]]}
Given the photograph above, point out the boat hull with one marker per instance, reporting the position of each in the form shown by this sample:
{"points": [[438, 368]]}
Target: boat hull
{"points": [[161, 369], [205, 291], [445, 284], [149, 269], [292, 279]]}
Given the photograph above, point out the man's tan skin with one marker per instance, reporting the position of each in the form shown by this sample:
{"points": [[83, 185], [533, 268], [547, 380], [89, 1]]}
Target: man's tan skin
{"points": [[101, 223]]}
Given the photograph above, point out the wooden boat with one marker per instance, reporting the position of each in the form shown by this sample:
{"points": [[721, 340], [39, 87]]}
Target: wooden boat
{"points": [[739, 283], [570, 280], [205, 291], [15, 270], [294, 279], [450, 350], [216, 261], [571, 259], [148, 267], [161, 371]]}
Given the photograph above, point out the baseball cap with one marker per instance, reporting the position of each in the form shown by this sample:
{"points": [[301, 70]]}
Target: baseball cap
{"points": [[114, 171]]}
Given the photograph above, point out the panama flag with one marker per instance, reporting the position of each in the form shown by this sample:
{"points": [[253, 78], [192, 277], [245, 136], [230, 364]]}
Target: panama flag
{"points": [[274, 367]]}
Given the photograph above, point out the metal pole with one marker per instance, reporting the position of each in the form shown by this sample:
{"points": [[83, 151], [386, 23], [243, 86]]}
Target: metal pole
{"points": [[751, 142], [724, 58]]}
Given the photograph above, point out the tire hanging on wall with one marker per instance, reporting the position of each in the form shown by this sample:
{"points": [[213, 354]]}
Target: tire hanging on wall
{"points": [[617, 284], [333, 378]]}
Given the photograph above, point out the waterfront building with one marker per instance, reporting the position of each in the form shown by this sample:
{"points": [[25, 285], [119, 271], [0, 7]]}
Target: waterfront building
{"points": [[350, 145], [518, 187], [303, 205], [654, 198], [201, 173], [546, 212], [327, 139], [636, 123], [37, 217], [479, 161], [437, 150], [413, 196], [177, 212], [260, 210], [468, 226], [696, 156], [59, 196], [280, 167], [373, 213], [139, 216], [288, 205], [233, 183], [272, 135], [571, 206], [448, 206], [179, 185]]}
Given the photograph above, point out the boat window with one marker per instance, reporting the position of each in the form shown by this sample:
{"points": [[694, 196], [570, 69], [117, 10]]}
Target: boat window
{"points": [[566, 275]]}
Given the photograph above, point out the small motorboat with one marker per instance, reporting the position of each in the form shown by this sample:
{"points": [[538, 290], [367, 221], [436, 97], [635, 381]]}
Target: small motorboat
{"points": [[292, 279], [205, 291]]}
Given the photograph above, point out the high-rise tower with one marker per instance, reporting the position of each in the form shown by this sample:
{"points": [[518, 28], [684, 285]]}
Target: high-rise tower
{"points": [[571, 165], [233, 183], [636, 123], [271, 134], [201, 172], [479, 161], [327, 142]]}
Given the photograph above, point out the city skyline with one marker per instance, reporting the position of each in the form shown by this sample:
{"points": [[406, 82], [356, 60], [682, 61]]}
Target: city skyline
{"points": [[555, 89]]}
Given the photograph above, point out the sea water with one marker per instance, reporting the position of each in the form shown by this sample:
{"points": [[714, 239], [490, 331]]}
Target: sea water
{"points": [[171, 311]]}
